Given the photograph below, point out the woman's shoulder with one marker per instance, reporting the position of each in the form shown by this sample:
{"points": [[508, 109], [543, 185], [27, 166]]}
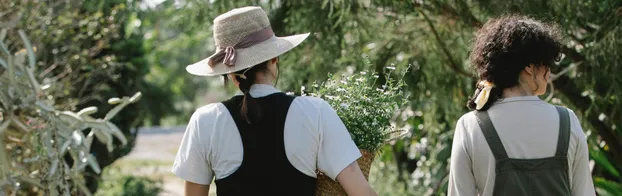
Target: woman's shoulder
{"points": [[469, 116], [466, 121], [575, 124], [309, 102], [209, 112]]}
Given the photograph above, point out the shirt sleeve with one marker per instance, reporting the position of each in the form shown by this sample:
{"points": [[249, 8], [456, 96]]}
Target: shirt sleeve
{"points": [[461, 178], [191, 163], [582, 183], [337, 149]]}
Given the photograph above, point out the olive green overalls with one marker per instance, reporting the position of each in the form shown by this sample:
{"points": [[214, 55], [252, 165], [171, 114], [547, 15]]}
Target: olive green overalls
{"points": [[532, 177]]}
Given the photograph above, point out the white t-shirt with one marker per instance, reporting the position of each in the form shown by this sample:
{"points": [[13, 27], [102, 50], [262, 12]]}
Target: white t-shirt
{"points": [[315, 138], [528, 128]]}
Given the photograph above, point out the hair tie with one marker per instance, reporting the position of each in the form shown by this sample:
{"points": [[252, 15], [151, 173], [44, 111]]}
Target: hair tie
{"points": [[242, 75], [484, 94]]}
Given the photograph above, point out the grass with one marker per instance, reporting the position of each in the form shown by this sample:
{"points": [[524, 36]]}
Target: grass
{"points": [[116, 181]]}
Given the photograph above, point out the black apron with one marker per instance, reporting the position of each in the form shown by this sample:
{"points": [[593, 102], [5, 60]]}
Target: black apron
{"points": [[265, 169]]}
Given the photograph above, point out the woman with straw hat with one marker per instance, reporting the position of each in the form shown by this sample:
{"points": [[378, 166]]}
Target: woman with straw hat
{"points": [[263, 142]]}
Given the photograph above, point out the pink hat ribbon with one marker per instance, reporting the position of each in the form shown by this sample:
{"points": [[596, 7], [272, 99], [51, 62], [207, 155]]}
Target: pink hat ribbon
{"points": [[227, 55]]}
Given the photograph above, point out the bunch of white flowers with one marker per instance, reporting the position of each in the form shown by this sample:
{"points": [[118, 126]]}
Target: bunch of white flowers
{"points": [[365, 106]]}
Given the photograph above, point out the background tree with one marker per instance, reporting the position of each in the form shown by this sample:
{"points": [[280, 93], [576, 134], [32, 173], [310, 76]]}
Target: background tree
{"points": [[87, 53]]}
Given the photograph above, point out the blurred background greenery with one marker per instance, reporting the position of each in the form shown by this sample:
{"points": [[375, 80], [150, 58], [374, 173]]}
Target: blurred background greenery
{"points": [[104, 48]]}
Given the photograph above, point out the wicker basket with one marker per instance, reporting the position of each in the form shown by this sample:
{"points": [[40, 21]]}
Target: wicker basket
{"points": [[328, 187]]}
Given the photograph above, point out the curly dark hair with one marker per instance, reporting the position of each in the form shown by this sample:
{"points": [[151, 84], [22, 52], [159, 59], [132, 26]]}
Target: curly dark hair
{"points": [[506, 45]]}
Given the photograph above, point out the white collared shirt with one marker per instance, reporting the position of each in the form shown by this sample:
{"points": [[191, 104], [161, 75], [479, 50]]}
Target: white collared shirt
{"points": [[315, 139], [528, 128]]}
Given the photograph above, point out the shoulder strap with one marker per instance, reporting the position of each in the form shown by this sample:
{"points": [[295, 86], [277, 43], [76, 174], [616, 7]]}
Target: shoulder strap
{"points": [[233, 105], [564, 132], [494, 142]]}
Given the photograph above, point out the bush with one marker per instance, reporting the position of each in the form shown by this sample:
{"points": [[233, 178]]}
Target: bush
{"points": [[88, 53], [115, 183], [366, 110], [47, 150]]}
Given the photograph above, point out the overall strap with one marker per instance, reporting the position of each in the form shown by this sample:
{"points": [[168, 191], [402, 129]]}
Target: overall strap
{"points": [[494, 142], [564, 132], [265, 135]]}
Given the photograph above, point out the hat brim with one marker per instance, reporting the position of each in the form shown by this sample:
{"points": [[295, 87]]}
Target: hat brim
{"points": [[249, 57]]}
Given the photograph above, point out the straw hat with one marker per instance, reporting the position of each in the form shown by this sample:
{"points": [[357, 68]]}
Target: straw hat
{"points": [[243, 38]]}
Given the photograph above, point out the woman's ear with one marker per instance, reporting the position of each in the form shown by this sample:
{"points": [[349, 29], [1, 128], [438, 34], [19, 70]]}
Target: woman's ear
{"points": [[531, 69], [272, 64], [274, 60], [233, 79]]}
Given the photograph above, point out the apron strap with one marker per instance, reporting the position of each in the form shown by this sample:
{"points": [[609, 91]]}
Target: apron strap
{"points": [[494, 142], [564, 131]]}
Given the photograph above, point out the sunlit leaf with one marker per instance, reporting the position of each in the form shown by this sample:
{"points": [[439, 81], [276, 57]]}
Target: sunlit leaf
{"points": [[97, 124], [64, 147], [2, 34], [102, 136], [45, 106], [93, 163], [78, 137], [114, 101], [31, 53], [87, 111], [31, 181], [132, 22], [4, 65], [116, 109], [116, 132], [5, 50], [84, 189], [601, 159], [70, 117], [109, 145], [606, 187], [136, 97], [89, 140], [53, 167], [4, 168]]}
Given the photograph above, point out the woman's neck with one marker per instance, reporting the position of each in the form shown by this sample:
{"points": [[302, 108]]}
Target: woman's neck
{"points": [[262, 78], [518, 91]]}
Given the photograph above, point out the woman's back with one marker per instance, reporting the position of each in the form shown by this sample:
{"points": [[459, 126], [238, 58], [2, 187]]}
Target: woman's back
{"points": [[311, 138], [528, 129], [314, 138]]}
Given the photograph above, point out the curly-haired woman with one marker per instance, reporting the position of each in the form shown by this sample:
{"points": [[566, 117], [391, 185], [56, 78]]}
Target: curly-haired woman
{"points": [[513, 143]]}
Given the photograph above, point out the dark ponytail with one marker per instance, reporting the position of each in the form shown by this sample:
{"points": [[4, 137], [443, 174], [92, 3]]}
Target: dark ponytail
{"points": [[250, 109], [496, 93]]}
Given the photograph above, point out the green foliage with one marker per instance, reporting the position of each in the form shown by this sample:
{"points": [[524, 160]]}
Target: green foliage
{"points": [[117, 183], [86, 55], [171, 45], [366, 110], [385, 179], [47, 152], [606, 187]]}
